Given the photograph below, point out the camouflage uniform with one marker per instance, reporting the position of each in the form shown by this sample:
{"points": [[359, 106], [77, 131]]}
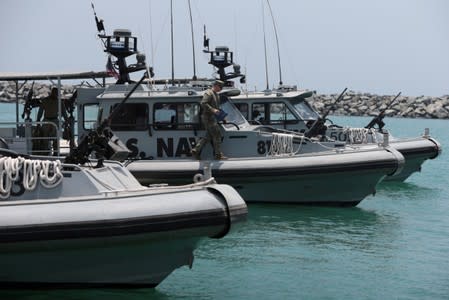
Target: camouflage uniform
{"points": [[49, 108], [210, 101]]}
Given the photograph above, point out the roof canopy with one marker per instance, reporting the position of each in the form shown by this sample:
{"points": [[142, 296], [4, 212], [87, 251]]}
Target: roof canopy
{"points": [[11, 76]]}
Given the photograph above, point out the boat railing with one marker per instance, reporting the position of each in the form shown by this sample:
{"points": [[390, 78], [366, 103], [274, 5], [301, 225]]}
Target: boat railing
{"points": [[30, 137]]}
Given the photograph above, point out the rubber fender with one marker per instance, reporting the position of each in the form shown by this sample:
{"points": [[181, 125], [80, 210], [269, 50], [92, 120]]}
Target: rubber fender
{"points": [[399, 158], [236, 209], [438, 147]]}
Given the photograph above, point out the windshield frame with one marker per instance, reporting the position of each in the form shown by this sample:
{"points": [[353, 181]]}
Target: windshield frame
{"points": [[303, 108], [234, 115]]}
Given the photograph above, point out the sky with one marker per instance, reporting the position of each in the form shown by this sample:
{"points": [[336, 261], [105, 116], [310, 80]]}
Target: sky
{"points": [[376, 46]]}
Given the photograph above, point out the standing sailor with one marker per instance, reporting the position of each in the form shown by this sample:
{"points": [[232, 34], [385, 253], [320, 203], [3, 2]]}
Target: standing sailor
{"points": [[49, 109], [210, 112]]}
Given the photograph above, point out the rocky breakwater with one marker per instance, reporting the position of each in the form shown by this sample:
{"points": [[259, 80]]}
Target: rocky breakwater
{"points": [[365, 104], [8, 91]]}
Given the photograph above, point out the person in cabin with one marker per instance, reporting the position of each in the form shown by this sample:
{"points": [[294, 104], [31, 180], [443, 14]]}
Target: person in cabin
{"points": [[210, 115], [49, 110]]}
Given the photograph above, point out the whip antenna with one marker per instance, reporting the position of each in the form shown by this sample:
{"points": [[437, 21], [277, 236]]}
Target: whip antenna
{"points": [[172, 51], [193, 42], [151, 35], [265, 46], [277, 42]]}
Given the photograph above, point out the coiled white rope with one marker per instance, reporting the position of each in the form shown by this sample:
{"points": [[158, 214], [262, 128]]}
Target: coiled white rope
{"points": [[282, 145], [360, 135], [8, 174], [47, 172], [48, 167]]}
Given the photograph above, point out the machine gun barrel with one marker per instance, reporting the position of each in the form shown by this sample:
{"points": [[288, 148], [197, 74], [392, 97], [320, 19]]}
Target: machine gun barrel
{"points": [[324, 116], [98, 139], [28, 103], [320, 121], [378, 119], [107, 121]]}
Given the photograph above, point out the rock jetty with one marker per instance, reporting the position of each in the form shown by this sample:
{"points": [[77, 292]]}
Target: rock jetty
{"points": [[352, 104], [365, 104], [8, 91]]}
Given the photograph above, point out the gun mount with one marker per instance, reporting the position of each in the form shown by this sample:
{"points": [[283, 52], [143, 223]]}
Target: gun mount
{"points": [[102, 140], [318, 127]]}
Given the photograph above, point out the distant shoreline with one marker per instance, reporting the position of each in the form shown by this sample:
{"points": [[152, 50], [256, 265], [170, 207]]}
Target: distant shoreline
{"points": [[352, 104]]}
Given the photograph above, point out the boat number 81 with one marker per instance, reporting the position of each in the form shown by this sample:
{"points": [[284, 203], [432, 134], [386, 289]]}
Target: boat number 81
{"points": [[263, 146]]}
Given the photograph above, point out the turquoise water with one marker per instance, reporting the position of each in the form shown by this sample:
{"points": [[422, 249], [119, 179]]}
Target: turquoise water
{"points": [[394, 245]]}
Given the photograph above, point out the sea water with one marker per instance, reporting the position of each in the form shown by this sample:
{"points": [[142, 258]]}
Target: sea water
{"points": [[393, 245]]}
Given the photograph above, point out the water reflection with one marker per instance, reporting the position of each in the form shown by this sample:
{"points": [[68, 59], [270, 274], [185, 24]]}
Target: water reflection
{"points": [[284, 228], [324, 226], [410, 193]]}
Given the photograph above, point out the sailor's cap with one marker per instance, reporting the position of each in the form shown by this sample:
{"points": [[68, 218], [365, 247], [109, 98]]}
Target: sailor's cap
{"points": [[219, 83]]}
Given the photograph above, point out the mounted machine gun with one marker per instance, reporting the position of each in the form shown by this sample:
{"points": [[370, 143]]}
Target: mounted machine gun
{"points": [[102, 140], [379, 118], [30, 103], [318, 126]]}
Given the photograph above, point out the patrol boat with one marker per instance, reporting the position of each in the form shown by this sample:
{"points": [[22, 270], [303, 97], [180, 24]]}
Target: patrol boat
{"points": [[289, 109], [94, 225], [160, 126], [88, 222]]}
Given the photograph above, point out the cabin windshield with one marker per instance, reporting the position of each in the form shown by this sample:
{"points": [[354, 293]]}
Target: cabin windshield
{"points": [[234, 115], [304, 109]]}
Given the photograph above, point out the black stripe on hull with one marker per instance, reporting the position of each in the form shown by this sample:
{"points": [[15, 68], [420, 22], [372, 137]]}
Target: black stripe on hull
{"points": [[266, 172], [431, 152], [108, 228]]}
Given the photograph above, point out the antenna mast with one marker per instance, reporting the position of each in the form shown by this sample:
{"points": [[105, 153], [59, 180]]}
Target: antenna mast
{"points": [[151, 35], [277, 42], [265, 47], [172, 54], [193, 43]]}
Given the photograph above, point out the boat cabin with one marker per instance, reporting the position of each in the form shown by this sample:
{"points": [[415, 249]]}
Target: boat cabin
{"points": [[288, 110], [165, 124]]}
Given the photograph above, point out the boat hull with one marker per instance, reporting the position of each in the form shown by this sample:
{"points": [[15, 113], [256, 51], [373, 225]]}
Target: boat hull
{"points": [[141, 260], [338, 179], [115, 237]]}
